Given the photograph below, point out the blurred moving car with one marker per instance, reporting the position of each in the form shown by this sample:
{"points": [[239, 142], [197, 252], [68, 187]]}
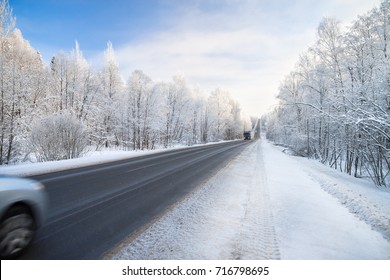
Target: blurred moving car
{"points": [[23, 205]]}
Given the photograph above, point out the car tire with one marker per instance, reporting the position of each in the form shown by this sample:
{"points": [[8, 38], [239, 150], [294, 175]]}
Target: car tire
{"points": [[16, 231]]}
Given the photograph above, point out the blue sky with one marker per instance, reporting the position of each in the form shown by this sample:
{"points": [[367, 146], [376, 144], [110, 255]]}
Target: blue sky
{"points": [[55, 24], [244, 46]]}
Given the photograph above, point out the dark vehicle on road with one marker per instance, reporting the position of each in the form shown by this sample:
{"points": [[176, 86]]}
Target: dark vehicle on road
{"points": [[247, 135], [22, 210]]}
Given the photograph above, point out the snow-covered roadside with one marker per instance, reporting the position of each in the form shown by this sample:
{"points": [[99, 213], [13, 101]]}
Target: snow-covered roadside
{"points": [[311, 223], [362, 198], [263, 205]]}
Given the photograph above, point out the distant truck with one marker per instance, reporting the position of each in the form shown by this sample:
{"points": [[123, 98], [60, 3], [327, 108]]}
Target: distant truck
{"points": [[247, 135]]}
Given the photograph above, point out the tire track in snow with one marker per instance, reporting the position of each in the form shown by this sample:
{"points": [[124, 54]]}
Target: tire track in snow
{"points": [[258, 221]]}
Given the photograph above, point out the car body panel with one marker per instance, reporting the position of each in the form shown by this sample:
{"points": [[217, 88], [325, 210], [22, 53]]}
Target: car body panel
{"points": [[14, 190]]}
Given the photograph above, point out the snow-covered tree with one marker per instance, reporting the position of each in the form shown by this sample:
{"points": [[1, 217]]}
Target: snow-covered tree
{"points": [[334, 106], [176, 96], [21, 92], [140, 111], [225, 119], [111, 91]]}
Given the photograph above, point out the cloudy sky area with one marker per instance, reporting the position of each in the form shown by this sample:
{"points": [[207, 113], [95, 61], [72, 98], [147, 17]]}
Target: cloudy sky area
{"points": [[244, 46]]}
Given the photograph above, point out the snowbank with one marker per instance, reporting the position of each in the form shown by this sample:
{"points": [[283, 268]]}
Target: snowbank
{"points": [[312, 223]]}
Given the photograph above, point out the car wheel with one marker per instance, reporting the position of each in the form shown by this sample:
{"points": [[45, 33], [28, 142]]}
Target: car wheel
{"points": [[16, 232]]}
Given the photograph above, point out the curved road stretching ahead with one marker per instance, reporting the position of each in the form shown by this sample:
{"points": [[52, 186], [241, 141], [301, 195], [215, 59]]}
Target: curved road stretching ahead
{"points": [[93, 209]]}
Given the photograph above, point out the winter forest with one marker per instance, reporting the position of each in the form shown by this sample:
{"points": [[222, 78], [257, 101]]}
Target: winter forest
{"points": [[334, 106], [59, 111]]}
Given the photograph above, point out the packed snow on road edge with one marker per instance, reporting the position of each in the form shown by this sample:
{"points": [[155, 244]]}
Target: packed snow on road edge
{"points": [[269, 205], [91, 158]]}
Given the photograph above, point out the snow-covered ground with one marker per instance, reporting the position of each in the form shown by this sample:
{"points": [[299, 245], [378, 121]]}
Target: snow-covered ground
{"points": [[269, 205], [316, 210]]}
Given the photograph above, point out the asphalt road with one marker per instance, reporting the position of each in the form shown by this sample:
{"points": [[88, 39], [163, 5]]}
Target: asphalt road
{"points": [[93, 209]]}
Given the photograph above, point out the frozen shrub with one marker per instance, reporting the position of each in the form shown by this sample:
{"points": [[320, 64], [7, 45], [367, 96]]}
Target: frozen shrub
{"points": [[58, 137]]}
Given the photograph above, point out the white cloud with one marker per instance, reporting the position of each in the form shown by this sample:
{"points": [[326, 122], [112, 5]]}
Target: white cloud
{"points": [[232, 59], [348, 10], [246, 47]]}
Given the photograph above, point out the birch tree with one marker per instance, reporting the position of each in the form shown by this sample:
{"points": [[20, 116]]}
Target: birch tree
{"points": [[110, 95], [21, 90], [141, 105]]}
